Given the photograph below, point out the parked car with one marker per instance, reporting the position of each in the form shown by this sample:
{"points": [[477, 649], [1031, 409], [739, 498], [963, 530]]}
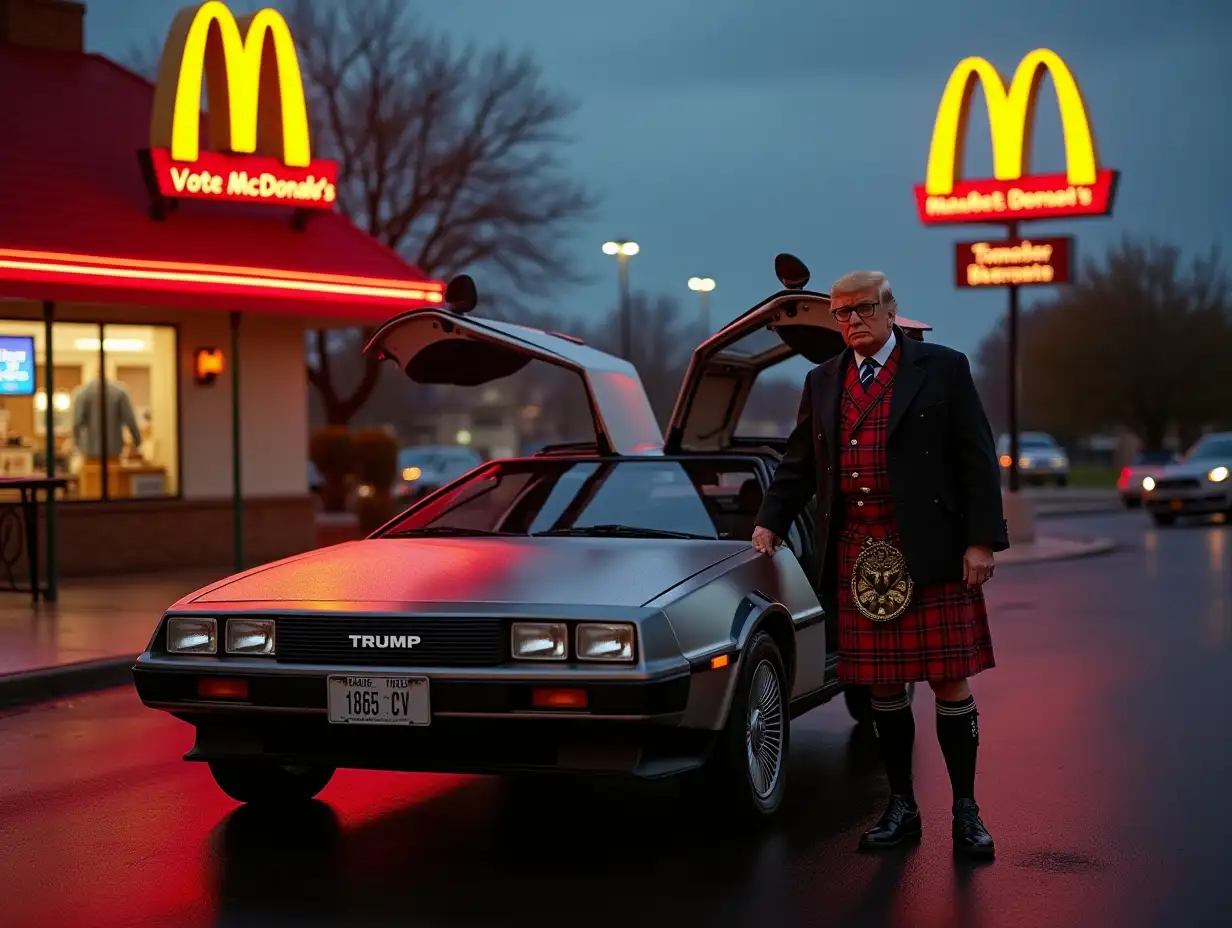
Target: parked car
{"points": [[1041, 459], [594, 608], [1134, 479], [1200, 483], [425, 468]]}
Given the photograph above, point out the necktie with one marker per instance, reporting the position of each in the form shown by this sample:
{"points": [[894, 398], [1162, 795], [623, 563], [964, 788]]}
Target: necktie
{"points": [[868, 370]]}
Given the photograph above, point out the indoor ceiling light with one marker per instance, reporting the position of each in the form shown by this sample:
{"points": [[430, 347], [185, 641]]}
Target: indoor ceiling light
{"points": [[110, 344]]}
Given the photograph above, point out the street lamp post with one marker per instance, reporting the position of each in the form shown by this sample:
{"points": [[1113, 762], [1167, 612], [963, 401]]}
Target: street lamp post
{"points": [[623, 251], [702, 286]]}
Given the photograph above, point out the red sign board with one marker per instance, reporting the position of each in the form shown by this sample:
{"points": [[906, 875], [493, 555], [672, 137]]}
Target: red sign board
{"points": [[220, 176], [1024, 262], [1039, 196]]}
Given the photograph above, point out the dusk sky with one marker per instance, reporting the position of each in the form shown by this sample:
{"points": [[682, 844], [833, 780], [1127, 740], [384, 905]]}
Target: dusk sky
{"points": [[720, 132]]}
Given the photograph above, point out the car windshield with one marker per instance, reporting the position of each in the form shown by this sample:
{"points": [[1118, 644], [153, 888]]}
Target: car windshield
{"points": [[1211, 448], [1149, 458], [457, 459], [1037, 443], [699, 498], [1030, 441]]}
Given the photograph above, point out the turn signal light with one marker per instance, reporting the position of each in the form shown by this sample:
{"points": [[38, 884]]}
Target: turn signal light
{"points": [[558, 699], [222, 688], [718, 663]]}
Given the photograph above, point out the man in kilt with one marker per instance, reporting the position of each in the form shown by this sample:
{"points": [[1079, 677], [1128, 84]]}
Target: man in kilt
{"points": [[892, 438]]}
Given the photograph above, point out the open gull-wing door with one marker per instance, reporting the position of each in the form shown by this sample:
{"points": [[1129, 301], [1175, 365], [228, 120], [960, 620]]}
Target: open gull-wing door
{"points": [[435, 345], [724, 367]]}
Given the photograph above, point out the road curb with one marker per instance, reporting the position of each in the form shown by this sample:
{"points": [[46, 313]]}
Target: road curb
{"points": [[1076, 548], [46, 683], [1091, 509]]}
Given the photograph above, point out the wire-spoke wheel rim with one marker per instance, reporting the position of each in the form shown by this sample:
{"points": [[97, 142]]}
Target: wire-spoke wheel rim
{"points": [[764, 730]]}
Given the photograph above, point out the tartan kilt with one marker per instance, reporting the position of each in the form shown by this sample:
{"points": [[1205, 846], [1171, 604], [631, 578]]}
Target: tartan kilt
{"points": [[943, 634]]}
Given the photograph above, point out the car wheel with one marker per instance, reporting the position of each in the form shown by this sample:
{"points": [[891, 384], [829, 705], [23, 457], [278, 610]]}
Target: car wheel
{"points": [[748, 772], [1062, 481], [859, 700], [1131, 502], [268, 783], [1163, 518]]}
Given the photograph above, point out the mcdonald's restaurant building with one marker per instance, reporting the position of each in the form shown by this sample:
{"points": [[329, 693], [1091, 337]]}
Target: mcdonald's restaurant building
{"points": [[158, 272]]}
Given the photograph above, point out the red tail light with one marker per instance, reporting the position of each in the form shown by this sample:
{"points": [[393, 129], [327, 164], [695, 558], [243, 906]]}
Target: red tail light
{"points": [[1123, 480]]}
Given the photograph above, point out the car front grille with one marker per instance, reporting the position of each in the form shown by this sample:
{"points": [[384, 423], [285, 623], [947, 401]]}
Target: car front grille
{"points": [[1177, 483], [443, 642]]}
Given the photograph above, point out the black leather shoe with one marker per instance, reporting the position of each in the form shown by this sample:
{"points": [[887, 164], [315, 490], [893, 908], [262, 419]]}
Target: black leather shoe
{"points": [[901, 822], [971, 838]]}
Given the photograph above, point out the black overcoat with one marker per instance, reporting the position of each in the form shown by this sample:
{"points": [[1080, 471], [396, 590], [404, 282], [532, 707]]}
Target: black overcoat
{"points": [[944, 475]]}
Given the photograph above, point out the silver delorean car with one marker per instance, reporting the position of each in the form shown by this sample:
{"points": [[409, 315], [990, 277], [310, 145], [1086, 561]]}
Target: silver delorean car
{"points": [[586, 610]]}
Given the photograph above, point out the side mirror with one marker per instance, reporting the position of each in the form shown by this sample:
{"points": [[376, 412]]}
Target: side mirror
{"points": [[461, 294], [792, 273]]}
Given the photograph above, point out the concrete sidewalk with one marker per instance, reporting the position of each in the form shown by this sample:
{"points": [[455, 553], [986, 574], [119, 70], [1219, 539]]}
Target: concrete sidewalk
{"points": [[1055, 548], [89, 639], [1073, 501]]}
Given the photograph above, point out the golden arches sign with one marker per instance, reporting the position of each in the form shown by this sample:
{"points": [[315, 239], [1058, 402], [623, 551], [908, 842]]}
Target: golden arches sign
{"points": [[258, 131], [1084, 189]]}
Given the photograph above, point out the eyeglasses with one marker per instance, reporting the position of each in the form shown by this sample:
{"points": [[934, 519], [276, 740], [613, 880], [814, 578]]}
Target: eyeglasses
{"points": [[863, 310]]}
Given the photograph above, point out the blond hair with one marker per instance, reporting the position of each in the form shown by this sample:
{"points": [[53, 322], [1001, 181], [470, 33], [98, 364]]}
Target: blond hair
{"points": [[859, 281]]}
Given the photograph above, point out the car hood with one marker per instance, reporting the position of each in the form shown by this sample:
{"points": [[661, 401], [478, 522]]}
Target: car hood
{"points": [[504, 571], [1194, 468]]}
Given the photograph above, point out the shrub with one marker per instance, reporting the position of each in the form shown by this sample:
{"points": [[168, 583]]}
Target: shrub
{"points": [[376, 459], [332, 452]]}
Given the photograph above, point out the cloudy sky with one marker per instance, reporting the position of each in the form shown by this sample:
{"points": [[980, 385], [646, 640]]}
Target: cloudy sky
{"points": [[720, 132]]}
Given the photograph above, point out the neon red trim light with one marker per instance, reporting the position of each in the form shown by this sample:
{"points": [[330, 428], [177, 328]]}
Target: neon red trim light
{"points": [[211, 278]]}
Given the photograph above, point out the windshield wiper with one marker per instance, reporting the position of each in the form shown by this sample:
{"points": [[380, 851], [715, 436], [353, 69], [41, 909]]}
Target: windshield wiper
{"points": [[449, 530], [621, 531]]}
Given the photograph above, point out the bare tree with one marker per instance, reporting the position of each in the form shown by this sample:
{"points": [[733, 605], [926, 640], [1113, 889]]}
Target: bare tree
{"points": [[1141, 340], [664, 339], [448, 155]]}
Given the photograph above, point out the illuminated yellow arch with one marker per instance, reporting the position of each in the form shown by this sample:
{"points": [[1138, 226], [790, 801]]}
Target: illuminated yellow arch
{"points": [[1011, 117], [230, 58]]}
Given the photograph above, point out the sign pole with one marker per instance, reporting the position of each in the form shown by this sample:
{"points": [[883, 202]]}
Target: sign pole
{"points": [[1011, 229], [237, 487], [51, 594]]}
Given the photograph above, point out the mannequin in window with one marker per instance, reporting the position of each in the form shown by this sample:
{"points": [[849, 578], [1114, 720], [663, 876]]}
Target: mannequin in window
{"points": [[88, 417]]}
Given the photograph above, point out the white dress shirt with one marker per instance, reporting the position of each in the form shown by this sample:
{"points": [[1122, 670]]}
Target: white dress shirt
{"points": [[880, 358]]}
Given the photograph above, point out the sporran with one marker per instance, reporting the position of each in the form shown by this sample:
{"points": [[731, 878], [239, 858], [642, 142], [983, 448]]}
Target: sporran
{"points": [[881, 586]]}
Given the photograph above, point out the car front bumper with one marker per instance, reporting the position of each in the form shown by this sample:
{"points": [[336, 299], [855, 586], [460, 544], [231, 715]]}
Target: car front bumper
{"points": [[1039, 472], [1206, 499], [644, 724]]}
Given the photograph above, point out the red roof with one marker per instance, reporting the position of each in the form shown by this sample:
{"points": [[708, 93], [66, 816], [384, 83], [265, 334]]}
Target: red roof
{"points": [[75, 213]]}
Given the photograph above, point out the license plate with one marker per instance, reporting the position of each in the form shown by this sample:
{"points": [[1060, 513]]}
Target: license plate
{"points": [[379, 699], [1176, 505]]}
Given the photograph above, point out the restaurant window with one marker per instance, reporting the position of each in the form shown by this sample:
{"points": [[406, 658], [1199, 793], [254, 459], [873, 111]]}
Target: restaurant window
{"points": [[114, 401]]}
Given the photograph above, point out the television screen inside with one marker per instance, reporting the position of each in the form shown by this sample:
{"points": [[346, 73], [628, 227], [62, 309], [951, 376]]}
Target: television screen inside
{"points": [[16, 365]]}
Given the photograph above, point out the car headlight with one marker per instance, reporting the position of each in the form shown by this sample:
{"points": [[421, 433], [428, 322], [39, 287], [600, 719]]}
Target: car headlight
{"points": [[1218, 475], [250, 636], [1024, 463], [539, 641], [603, 641], [1059, 462], [1148, 483], [191, 635]]}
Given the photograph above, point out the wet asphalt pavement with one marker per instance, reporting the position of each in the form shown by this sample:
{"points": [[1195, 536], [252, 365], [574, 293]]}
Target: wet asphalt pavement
{"points": [[1105, 770]]}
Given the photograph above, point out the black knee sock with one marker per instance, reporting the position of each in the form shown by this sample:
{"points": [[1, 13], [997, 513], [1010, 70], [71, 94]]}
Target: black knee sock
{"points": [[958, 732], [894, 726]]}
